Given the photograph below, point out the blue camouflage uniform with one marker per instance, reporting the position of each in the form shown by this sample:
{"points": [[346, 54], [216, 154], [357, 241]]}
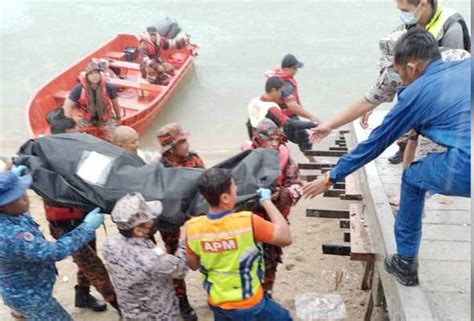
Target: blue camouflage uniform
{"points": [[438, 106], [27, 269]]}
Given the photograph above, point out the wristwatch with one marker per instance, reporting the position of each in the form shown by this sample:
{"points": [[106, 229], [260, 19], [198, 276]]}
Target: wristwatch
{"points": [[327, 180]]}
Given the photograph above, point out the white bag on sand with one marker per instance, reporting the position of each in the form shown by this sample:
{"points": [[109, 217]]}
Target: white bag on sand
{"points": [[318, 306]]}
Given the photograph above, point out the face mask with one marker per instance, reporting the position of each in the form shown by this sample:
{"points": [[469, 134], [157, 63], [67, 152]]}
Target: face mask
{"points": [[410, 18], [392, 75], [153, 229]]}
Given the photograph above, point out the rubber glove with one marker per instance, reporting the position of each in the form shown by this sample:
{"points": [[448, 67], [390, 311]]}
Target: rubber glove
{"points": [[265, 194], [94, 219], [19, 170]]}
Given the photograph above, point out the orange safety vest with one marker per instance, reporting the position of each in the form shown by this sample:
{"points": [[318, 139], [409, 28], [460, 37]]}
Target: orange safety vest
{"points": [[83, 101]]}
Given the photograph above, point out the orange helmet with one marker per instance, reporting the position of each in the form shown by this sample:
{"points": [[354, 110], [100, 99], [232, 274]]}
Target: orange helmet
{"points": [[169, 135]]}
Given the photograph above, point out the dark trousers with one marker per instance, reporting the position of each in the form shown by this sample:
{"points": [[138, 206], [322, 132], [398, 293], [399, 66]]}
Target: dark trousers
{"points": [[171, 239]]}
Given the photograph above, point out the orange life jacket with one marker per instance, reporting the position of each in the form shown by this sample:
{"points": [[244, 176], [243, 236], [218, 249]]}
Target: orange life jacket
{"points": [[83, 101], [54, 213], [152, 49]]}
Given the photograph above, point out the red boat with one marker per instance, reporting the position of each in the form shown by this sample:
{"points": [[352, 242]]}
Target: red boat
{"points": [[139, 100]]}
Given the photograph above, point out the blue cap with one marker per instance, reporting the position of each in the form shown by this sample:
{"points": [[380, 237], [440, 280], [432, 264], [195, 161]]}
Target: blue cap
{"points": [[12, 187]]}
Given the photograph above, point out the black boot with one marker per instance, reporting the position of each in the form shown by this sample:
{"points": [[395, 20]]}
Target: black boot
{"points": [[403, 268], [187, 312], [397, 158], [85, 300]]}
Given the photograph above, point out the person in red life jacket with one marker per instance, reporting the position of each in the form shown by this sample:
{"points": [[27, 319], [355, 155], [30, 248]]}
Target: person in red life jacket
{"points": [[175, 153], [226, 248], [62, 220], [154, 72], [266, 106], [290, 102], [151, 45], [96, 102], [286, 194]]}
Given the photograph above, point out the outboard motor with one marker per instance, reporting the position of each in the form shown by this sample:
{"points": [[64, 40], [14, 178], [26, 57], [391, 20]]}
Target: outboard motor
{"points": [[168, 27]]}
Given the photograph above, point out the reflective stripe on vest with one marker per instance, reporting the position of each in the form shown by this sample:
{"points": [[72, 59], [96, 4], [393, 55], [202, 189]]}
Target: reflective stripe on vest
{"points": [[83, 101], [440, 21], [231, 261], [258, 110]]}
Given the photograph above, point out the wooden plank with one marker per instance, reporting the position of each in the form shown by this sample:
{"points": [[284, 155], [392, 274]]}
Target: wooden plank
{"points": [[347, 237], [336, 249], [342, 149], [333, 193], [344, 224], [61, 94], [339, 185], [130, 104], [315, 165], [324, 153], [309, 178], [361, 244], [124, 64], [352, 191], [121, 83], [369, 307], [116, 55], [327, 213]]}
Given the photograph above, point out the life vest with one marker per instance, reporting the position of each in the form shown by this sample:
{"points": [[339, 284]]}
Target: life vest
{"points": [[54, 213], [278, 73], [153, 50], [83, 101], [442, 20], [258, 110], [231, 261], [284, 154]]}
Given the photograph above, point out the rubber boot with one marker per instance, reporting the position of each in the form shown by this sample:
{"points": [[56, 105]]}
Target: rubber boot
{"points": [[404, 269], [187, 312], [397, 158], [85, 300]]}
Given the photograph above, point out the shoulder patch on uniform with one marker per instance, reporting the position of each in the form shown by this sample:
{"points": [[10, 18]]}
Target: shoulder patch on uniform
{"points": [[27, 236]]}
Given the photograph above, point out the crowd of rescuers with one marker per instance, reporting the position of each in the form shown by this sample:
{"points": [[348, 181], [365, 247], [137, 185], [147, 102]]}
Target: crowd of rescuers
{"points": [[239, 269]]}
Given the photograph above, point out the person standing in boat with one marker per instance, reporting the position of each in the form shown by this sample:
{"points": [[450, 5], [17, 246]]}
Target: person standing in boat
{"points": [[96, 103], [175, 153], [151, 44], [285, 195]]}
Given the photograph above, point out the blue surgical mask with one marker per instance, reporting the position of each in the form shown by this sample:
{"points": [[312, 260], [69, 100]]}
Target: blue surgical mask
{"points": [[410, 18]]}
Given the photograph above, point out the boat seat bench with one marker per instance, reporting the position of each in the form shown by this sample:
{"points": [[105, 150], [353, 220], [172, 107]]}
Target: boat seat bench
{"points": [[124, 64]]}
